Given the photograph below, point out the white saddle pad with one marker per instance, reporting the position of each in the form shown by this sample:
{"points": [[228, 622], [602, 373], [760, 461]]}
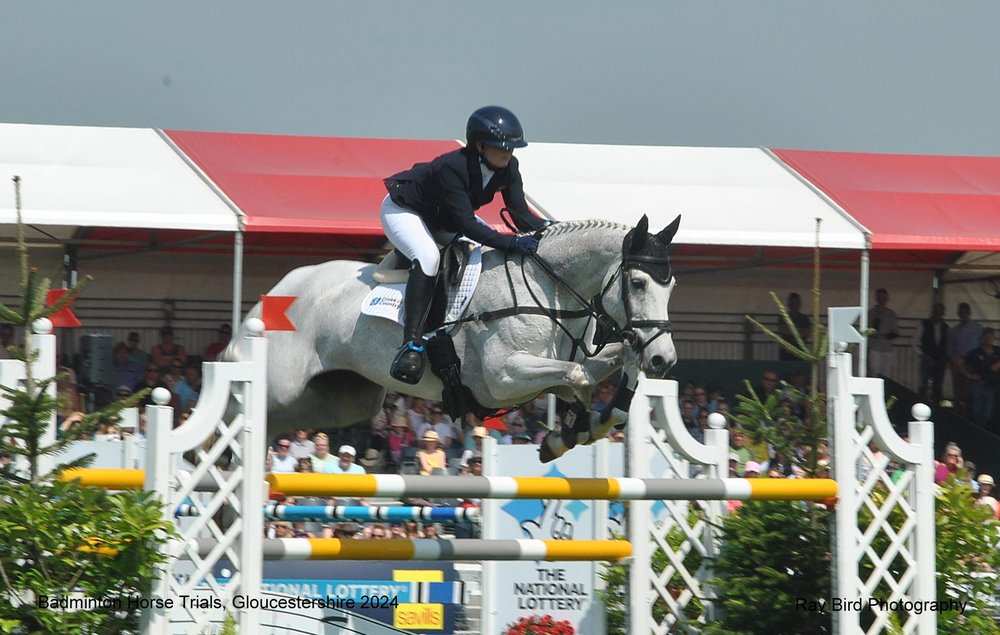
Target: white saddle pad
{"points": [[386, 300]]}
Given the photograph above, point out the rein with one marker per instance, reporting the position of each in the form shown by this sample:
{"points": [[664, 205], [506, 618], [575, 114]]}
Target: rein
{"points": [[608, 329]]}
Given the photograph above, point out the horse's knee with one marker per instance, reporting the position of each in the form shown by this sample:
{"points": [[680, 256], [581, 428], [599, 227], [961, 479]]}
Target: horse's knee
{"points": [[579, 378]]}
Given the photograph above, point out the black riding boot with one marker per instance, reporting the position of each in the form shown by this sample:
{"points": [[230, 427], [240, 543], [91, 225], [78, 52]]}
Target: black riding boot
{"points": [[408, 366]]}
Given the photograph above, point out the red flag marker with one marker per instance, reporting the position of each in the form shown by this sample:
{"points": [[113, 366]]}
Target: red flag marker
{"points": [[64, 317], [273, 309], [494, 423]]}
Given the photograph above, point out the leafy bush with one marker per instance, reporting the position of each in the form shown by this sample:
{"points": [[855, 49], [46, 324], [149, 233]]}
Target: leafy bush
{"points": [[774, 554], [61, 543]]}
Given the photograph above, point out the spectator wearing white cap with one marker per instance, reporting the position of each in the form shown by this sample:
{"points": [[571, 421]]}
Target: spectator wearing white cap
{"points": [[346, 465], [985, 495]]}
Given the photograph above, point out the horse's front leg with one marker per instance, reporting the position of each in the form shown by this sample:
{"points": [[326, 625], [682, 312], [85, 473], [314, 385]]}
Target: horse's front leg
{"points": [[594, 427], [526, 374]]}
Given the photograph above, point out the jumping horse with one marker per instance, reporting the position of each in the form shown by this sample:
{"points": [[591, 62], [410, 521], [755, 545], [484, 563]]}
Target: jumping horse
{"points": [[591, 301]]}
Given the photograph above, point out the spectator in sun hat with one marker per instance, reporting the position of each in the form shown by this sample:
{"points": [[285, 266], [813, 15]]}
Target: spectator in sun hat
{"points": [[373, 461], [985, 495], [400, 437], [346, 465], [751, 469], [430, 456], [478, 434]]}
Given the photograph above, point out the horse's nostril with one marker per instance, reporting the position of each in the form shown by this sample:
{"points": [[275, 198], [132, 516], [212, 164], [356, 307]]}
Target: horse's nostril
{"points": [[658, 363]]}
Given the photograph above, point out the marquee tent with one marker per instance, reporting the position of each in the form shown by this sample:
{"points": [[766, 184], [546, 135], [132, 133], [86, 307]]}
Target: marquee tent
{"points": [[104, 189], [941, 210]]}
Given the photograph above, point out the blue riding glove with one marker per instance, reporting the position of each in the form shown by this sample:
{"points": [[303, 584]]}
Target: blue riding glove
{"points": [[524, 245]]}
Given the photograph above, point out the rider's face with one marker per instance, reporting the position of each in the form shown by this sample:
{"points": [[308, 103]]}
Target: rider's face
{"points": [[495, 157]]}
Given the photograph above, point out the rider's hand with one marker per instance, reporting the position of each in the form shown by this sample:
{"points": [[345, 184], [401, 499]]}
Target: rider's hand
{"points": [[524, 245]]}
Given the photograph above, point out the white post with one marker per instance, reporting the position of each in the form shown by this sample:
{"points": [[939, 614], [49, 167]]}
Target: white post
{"points": [[45, 368], [159, 464], [600, 510], [489, 512], [637, 457], [840, 423], [252, 486], [922, 495], [226, 384], [851, 400]]}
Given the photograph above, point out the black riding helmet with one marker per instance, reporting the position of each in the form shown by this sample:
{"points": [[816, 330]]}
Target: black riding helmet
{"points": [[495, 126]]}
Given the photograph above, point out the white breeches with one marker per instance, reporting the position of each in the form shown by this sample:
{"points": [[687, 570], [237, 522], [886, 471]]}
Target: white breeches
{"points": [[410, 235]]}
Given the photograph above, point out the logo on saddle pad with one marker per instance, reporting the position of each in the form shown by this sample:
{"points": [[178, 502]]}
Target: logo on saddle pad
{"points": [[386, 300]]}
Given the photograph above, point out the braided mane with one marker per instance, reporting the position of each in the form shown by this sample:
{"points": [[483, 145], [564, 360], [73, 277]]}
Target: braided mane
{"points": [[567, 227]]}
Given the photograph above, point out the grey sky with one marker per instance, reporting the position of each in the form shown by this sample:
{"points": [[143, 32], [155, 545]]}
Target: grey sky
{"points": [[895, 76]]}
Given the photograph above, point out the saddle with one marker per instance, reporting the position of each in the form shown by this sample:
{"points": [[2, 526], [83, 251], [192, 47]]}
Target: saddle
{"points": [[457, 277], [456, 257]]}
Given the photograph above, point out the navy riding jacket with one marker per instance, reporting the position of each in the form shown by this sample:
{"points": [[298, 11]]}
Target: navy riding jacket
{"points": [[447, 191]]}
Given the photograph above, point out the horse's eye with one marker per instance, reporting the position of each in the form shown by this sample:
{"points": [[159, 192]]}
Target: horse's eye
{"points": [[637, 283]]}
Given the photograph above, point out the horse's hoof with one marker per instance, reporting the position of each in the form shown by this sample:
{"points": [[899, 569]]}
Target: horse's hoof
{"points": [[545, 454], [551, 448], [568, 436]]}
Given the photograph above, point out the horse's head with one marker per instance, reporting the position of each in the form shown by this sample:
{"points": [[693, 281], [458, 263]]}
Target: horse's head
{"points": [[646, 283]]}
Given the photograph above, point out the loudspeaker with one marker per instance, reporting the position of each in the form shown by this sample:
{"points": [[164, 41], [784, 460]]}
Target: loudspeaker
{"points": [[97, 366]]}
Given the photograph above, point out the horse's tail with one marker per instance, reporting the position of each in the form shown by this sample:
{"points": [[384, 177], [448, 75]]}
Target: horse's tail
{"points": [[231, 353]]}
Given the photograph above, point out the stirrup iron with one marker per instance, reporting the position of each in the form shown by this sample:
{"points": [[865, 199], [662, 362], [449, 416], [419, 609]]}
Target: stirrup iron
{"points": [[408, 365]]}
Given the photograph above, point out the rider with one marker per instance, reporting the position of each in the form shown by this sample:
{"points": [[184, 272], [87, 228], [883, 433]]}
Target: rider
{"points": [[431, 202]]}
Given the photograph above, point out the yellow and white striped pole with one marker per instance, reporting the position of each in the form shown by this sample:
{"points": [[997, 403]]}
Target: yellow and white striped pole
{"points": [[443, 550], [392, 485]]}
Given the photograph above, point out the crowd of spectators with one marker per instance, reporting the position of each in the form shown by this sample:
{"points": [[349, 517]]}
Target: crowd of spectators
{"points": [[410, 435]]}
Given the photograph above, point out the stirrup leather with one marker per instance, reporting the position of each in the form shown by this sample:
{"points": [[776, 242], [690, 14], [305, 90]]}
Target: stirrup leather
{"points": [[408, 366]]}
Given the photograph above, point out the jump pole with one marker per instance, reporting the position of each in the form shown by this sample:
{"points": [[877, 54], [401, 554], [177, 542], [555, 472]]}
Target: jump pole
{"points": [[123, 479], [390, 513], [440, 550], [392, 485]]}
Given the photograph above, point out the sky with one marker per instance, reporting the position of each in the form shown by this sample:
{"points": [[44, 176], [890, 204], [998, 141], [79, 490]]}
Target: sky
{"points": [[891, 76]]}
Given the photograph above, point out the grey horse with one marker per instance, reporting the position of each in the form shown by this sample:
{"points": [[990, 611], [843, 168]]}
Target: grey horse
{"points": [[588, 277]]}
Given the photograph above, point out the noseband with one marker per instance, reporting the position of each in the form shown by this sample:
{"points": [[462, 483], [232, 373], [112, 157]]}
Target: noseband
{"points": [[627, 333]]}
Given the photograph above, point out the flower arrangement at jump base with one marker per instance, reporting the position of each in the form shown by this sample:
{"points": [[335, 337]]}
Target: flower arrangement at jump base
{"points": [[540, 625]]}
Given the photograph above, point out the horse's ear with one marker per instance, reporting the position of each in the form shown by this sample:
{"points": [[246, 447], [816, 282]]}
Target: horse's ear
{"points": [[642, 227], [666, 234], [636, 238]]}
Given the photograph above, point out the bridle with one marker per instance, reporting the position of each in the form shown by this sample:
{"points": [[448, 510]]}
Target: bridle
{"points": [[608, 330]]}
